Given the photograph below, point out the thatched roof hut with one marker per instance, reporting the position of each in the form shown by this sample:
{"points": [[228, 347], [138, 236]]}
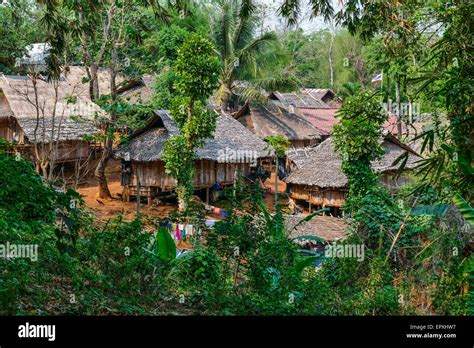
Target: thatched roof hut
{"points": [[147, 143], [323, 166], [267, 120], [62, 113], [319, 179], [232, 151]]}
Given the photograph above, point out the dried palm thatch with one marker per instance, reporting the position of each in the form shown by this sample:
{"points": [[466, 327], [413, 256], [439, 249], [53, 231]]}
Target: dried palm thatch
{"points": [[133, 90], [232, 142], [52, 111], [298, 156], [272, 119], [77, 76], [141, 92], [326, 227], [323, 167], [307, 98]]}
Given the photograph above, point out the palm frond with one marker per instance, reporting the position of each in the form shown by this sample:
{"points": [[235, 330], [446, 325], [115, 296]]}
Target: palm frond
{"points": [[322, 8], [291, 10], [257, 45], [247, 8]]}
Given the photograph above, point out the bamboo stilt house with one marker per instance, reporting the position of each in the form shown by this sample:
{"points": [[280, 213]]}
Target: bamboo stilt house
{"points": [[47, 121], [319, 180], [233, 150]]}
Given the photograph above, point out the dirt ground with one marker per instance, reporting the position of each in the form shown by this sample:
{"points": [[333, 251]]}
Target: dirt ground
{"points": [[106, 209]]}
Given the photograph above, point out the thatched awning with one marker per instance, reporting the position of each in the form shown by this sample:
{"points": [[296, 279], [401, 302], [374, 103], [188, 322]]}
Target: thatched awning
{"points": [[323, 166], [232, 142]]}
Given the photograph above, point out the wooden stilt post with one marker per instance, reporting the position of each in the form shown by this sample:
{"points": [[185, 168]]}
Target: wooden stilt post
{"points": [[309, 201], [207, 195], [149, 197], [138, 195]]}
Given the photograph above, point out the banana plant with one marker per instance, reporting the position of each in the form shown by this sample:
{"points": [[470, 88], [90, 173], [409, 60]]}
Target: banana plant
{"points": [[165, 247], [465, 209], [438, 210]]}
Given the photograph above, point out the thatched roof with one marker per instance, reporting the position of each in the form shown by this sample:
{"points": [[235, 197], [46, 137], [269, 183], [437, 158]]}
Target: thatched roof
{"points": [[266, 120], [323, 167], [73, 115], [147, 143], [300, 155], [141, 92], [133, 90], [326, 227], [65, 129], [307, 98], [76, 76]]}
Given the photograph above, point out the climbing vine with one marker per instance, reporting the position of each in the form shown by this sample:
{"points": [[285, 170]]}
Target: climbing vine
{"points": [[357, 140]]}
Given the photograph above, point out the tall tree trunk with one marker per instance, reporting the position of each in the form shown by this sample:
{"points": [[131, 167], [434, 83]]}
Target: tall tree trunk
{"points": [[331, 67], [398, 101], [104, 191], [94, 82]]}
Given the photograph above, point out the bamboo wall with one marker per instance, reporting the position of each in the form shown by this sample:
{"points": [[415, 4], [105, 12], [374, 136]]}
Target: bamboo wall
{"points": [[319, 197], [337, 198], [207, 173], [9, 130], [72, 150]]}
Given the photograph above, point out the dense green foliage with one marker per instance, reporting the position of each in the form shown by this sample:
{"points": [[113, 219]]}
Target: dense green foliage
{"points": [[357, 138], [16, 32], [246, 265], [196, 69]]}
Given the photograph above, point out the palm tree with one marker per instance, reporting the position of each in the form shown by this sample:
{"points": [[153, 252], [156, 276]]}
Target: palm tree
{"points": [[244, 56], [349, 89]]}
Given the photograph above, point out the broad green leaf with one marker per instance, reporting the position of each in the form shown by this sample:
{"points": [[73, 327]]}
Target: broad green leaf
{"points": [[165, 245], [434, 210], [307, 262], [466, 210]]}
